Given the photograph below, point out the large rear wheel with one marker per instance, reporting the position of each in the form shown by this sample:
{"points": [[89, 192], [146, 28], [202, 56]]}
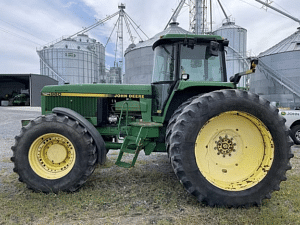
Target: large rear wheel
{"points": [[230, 148], [54, 153], [173, 119]]}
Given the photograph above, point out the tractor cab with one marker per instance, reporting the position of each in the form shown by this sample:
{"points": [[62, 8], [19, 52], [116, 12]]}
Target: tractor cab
{"points": [[182, 58]]}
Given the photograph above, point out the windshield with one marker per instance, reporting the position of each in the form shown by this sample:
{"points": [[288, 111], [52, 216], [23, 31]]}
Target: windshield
{"points": [[199, 64], [164, 63], [196, 61]]}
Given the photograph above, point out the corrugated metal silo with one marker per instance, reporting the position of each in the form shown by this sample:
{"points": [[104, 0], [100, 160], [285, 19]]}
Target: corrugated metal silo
{"points": [[277, 77], [237, 50], [139, 57], [76, 60], [114, 76]]}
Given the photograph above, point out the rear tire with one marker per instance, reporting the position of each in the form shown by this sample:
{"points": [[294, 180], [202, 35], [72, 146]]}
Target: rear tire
{"points": [[54, 153], [173, 119], [230, 148], [295, 134]]}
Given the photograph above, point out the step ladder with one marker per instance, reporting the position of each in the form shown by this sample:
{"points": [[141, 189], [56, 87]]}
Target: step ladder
{"points": [[133, 144]]}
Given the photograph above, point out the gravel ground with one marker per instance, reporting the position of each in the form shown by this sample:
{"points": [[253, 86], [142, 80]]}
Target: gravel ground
{"points": [[10, 126]]}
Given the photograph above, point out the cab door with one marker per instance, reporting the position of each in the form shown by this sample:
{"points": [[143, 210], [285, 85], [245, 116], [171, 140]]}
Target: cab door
{"points": [[164, 75]]}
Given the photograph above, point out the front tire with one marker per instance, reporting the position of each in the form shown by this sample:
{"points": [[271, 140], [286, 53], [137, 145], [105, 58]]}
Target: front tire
{"points": [[54, 153], [230, 148]]}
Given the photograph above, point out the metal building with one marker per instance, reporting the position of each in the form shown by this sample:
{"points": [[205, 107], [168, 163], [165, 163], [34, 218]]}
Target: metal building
{"points": [[237, 50], [277, 77], [139, 57], [32, 84], [75, 60]]}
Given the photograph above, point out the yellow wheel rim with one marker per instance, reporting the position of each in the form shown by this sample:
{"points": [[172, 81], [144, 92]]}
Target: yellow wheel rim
{"points": [[52, 156], [234, 151]]}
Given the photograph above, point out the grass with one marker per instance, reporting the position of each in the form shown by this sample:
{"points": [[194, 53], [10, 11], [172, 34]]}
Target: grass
{"points": [[5, 160], [147, 194]]}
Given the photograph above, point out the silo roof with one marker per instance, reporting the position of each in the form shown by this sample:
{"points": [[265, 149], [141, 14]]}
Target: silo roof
{"points": [[229, 25], [291, 43], [81, 41], [72, 44], [172, 29]]}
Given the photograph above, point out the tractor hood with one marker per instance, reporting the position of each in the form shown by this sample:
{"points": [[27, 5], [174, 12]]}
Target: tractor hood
{"points": [[99, 90]]}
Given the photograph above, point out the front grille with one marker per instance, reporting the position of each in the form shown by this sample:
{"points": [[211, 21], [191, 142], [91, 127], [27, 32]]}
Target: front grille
{"points": [[85, 106]]}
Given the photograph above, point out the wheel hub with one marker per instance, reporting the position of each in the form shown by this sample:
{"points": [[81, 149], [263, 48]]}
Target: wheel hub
{"points": [[225, 146], [234, 150], [57, 153], [52, 156]]}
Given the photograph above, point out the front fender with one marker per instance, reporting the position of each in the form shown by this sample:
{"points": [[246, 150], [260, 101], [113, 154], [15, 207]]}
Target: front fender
{"points": [[100, 144]]}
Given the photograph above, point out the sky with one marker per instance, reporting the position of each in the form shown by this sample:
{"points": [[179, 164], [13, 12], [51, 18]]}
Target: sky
{"points": [[28, 25]]}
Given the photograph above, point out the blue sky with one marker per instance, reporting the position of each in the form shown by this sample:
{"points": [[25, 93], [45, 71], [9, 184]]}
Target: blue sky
{"points": [[27, 25]]}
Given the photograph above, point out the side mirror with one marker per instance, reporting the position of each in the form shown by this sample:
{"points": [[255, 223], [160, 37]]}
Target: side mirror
{"points": [[254, 63], [214, 48], [236, 78], [185, 76]]}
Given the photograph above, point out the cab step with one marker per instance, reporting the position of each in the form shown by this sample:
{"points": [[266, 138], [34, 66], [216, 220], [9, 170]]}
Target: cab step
{"points": [[136, 141], [129, 141]]}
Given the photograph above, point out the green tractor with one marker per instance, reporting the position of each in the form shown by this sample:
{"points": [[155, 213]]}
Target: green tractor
{"points": [[228, 147], [21, 100]]}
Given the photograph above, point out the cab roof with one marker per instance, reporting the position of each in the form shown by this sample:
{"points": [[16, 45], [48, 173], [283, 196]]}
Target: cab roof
{"points": [[172, 38]]}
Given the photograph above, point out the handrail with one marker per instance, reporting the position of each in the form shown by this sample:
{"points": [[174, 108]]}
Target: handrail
{"points": [[119, 124]]}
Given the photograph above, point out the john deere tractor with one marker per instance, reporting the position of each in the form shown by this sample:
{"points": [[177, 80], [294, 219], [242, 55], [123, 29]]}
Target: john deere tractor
{"points": [[228, 147]]}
